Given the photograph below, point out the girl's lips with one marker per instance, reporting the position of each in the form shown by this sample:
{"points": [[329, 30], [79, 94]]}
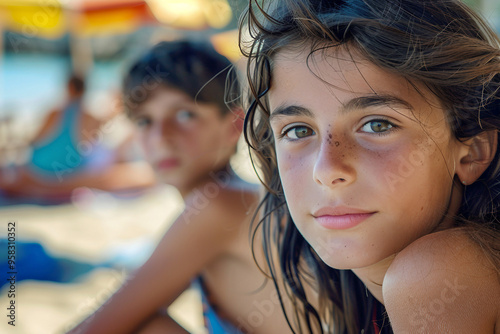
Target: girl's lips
{"points": [[340, 217], [342, 222], [167, 163]]}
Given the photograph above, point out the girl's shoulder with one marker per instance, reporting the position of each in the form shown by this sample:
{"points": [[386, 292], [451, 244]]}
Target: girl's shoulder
{"points": [[443, 282]]}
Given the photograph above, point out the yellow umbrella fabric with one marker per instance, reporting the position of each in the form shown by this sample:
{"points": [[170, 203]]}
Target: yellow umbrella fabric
{"points": [[192, 14], [43, 19], [53, 18]]}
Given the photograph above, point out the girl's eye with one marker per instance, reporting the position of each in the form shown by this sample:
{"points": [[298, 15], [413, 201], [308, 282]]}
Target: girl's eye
{"points": [[298, 132], [377, 126], [184, 116], [143, 121]]}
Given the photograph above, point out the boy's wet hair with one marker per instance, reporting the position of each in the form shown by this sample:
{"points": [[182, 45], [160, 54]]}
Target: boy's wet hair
{"points": [[193, 67]]}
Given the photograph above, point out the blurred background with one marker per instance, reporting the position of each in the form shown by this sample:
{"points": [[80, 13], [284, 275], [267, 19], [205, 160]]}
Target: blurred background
{"points": [[76, 239]]}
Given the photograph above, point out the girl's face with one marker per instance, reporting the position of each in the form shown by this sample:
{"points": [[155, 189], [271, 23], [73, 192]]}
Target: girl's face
{"points": [[366, 161], [184, 140]]}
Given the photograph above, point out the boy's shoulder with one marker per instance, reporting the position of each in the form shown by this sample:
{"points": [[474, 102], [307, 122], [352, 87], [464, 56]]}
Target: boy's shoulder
{"points": [[443, 282], [222, 204]]}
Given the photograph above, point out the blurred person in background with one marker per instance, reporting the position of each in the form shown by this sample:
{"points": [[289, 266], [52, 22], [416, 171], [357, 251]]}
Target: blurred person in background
{"points": [[68, 152], [175, 94]]}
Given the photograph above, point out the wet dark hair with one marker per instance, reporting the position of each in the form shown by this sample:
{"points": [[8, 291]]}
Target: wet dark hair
{"points": [[193, 67], [440, 44]]}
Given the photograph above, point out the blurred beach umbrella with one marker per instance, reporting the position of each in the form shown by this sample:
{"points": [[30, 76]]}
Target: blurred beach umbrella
{"points": [[226, 43], [54, 18], [81, 19], [192, 14]]}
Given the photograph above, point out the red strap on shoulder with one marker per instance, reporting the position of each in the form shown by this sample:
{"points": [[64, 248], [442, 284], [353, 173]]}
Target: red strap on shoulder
{"points": [[374, 320]]}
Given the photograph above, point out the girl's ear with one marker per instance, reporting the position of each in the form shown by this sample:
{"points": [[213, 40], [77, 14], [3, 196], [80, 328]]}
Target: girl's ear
{"points": [[476, 155]]}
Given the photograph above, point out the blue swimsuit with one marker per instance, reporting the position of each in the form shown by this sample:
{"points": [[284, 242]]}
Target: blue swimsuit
{"points": [[62, 153], [213, 322]]}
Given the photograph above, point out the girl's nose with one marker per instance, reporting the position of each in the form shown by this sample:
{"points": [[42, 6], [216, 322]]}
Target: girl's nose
{"points": [[334, 164]]}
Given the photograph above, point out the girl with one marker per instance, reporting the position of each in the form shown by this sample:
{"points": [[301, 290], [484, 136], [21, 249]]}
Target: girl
{"points": [[175, 94], [376, 127]]}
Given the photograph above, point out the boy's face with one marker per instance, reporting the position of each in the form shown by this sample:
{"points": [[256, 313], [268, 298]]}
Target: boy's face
{"points": [[366, 162], [184, 140]]}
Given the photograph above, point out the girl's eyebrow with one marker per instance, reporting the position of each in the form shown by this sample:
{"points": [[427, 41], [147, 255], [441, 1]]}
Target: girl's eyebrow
{"points": [[375, 100], [290, 111], [356, 103]]}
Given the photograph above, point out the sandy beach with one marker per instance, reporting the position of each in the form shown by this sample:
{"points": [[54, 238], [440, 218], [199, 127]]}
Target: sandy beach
{"points": [[100, 229]]}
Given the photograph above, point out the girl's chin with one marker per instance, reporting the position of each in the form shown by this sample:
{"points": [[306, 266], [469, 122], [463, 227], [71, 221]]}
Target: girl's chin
{"points": [[346, 261], [342, 264]]}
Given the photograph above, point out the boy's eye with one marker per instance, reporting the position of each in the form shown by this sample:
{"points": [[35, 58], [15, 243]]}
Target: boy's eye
{"points": [[298, 132], [377, 126], [184, 116], [143, 121]]}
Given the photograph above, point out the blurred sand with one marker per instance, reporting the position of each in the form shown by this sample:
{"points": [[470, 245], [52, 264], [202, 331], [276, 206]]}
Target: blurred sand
{"points": [[96, 229]]}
